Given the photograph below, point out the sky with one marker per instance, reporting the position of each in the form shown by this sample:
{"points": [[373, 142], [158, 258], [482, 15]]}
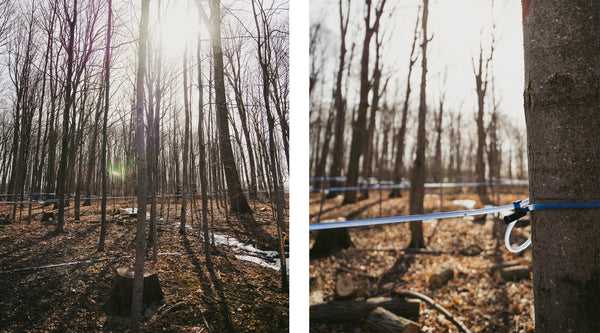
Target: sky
{"points": [[457, 27]]}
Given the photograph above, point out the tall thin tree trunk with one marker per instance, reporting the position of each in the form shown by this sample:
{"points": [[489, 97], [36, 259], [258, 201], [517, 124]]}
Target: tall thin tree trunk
{"points": [[104, 131], [69, 99], [202, 156], [140, 158], [186, 135], [399, 161], [418, 172], [339, 103]]}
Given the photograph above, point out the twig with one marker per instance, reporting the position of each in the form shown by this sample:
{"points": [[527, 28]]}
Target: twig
{"points": [[436, 306], [351, 271]]}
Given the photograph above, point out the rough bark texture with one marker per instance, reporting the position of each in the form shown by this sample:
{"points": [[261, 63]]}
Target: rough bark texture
{"points": [[562, 93]]}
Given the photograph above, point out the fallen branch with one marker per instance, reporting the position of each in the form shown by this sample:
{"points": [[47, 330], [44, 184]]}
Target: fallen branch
{"points": [[439, 308]]}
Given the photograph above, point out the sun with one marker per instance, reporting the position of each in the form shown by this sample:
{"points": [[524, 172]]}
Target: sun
{"points": [[179, 24]]}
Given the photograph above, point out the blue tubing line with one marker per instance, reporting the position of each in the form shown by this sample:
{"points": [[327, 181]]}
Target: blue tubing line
{"points": [[563, 205], [420, 217]]}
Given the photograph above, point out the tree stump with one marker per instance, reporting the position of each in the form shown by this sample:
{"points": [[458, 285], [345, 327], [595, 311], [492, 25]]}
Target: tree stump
{"points": [[382, 320], [440, 277], [120, 302], [344, 287], [47, 217]]}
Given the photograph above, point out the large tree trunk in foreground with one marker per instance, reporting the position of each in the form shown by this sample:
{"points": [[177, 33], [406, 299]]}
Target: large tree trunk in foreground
{"points": [[562, 93]]}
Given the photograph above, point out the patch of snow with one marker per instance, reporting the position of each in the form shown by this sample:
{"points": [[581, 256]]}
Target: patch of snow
{"points": [[269, 259], [468, 204]]}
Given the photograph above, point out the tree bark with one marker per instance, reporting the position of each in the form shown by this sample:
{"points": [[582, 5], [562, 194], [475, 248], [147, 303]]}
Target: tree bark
{"points": [[417, 178], [69, 98], [399, 161], [140, 158], [562, 94], [339, 104], [358, 125], [104, 130], [239, 204]]}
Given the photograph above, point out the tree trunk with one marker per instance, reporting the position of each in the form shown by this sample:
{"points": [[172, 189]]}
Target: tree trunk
{"points": [[358, 125], [562, 94], [140, 238], [69, 99], [239, 204], [202, 157], [104, 131], [339, 103], [186, 136], [417, 179], [399, 161]]}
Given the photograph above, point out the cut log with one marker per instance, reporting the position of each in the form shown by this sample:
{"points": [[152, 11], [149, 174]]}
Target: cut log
{"points": [[344, 287], [513, 273], [355, 310], [440, 277], [120, 301], [382, 320]]}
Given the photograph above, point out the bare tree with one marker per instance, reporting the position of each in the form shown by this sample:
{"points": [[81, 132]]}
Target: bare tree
{"points": [[358, 125], [104, 130], [264, 59], [339, 102], [417, 179], [239, 204], [69, 99], [140, 162], [481, 84], [401, 136]]}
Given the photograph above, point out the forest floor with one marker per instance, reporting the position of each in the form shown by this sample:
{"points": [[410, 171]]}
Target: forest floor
{"points": [[231, 295], [379, 264]]}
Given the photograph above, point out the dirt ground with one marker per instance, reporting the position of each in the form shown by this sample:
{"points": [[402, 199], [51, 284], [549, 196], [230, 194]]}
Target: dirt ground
{"points": [[379, 265], [231, 295]]}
